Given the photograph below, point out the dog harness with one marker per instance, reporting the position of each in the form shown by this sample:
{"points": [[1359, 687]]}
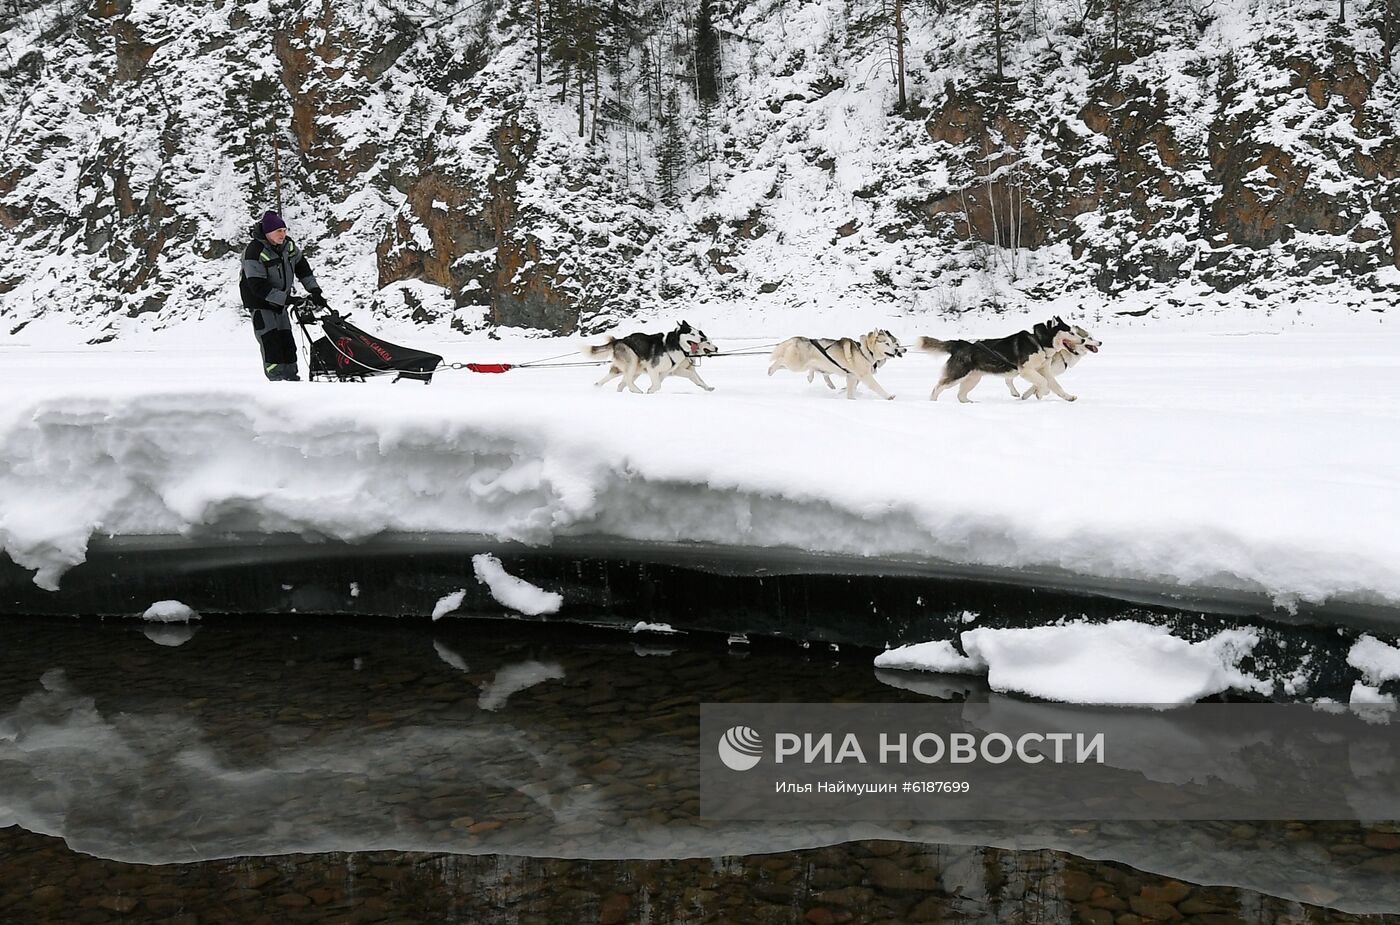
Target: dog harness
{"points": [[859, 347], [996, 353], [817, 344]]}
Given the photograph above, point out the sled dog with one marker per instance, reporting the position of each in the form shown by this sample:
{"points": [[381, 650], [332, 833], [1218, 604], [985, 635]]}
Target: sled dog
{"points": [[1025, 353], [856, 359], [658, 355], [1061, 360]]}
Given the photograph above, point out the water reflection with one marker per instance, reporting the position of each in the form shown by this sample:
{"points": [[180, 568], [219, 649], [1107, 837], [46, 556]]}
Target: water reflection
{"points": [[266, 738], [878, 881]]}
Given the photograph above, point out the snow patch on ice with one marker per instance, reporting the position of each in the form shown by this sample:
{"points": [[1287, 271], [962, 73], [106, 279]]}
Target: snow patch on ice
{"points": [[1112, 663], [1365, 694], [169, 612], [938, 656], [1377, 661], [448, 603], [515, 593], [1124, 662]]}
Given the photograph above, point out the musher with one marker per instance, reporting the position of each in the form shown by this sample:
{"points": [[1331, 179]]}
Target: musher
{"points": [[272, 265]]}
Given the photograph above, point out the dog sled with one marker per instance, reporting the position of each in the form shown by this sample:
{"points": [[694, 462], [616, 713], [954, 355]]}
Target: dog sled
{"points": [[347, 353]]}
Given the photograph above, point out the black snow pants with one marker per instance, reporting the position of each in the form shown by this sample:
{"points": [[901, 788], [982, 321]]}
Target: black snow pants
{"points": [[273, 329]]}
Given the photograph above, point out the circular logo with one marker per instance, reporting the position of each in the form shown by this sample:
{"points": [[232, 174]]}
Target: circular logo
{"points": [[740, 748]]}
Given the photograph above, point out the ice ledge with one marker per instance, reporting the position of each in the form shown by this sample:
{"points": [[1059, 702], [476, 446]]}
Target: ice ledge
{"points": [[599, 577]]}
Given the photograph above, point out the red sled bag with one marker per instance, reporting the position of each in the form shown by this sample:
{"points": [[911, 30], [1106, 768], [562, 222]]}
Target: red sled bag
{"points": [[347, 352]]}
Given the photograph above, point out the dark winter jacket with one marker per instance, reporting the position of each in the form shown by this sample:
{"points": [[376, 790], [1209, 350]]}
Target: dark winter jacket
{"points": [[270, 271]]}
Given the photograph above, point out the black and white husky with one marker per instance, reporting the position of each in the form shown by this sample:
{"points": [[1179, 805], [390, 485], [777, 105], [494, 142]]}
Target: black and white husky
{"points": [[658, 355], [856, 359], [1025, 353]]}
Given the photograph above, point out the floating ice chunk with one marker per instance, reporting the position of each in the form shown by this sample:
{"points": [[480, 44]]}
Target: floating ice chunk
{"points": [[446, 605], [1109, 663], [1112, 663], [512, 592]]}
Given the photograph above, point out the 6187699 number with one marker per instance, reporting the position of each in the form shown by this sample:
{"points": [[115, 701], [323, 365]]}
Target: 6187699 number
{"points": [[937, 786]]}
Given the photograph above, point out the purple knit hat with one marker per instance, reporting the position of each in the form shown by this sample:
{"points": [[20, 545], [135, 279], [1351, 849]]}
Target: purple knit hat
{"points": [[271, 221]]}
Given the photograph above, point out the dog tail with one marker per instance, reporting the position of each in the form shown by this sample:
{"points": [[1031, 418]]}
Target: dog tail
{"points": [[594, 351], [930, 345]]}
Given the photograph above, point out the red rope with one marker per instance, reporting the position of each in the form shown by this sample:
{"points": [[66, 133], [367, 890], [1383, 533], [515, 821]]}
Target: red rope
{"points": [[489, 367]]}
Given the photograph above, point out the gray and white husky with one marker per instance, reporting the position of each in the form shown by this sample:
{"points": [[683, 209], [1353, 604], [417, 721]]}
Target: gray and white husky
{"points": [[1060, 361], [856, 359], [658, 355]]}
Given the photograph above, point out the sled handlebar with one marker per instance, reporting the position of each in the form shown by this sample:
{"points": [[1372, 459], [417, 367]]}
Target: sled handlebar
{"points": [[305, 312]]}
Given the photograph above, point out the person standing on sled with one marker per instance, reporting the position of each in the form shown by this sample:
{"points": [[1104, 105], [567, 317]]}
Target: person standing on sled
{"points": [[272, 265]]}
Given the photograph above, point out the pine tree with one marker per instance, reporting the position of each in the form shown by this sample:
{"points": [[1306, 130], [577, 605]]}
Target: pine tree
{"points": [[670, 155], [620, 36], [559, 35], [648, 82], [707, 144], [706, 55]]}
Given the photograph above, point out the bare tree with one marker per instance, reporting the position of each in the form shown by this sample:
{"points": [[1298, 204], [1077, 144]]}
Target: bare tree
{"points": [[276, 169], [1390, 13], [899, 50], [997, 32], [539, 46], [1003, 197]]}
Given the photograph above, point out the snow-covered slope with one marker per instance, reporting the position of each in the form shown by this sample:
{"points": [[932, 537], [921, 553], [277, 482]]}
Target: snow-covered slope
{"points": [[1236, 153], [1190, 461]]}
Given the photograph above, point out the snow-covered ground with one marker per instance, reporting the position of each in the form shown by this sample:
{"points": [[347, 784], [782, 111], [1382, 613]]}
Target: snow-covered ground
{"points": [[1261, 462]]}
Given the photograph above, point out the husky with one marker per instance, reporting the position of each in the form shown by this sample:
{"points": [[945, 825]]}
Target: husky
{"points": [[659, 355], [857, 360], [1061, 360], [1025, 353]]}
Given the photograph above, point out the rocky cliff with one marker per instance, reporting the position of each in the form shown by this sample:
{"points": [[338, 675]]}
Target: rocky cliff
{"points": [[1237, 149]]}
